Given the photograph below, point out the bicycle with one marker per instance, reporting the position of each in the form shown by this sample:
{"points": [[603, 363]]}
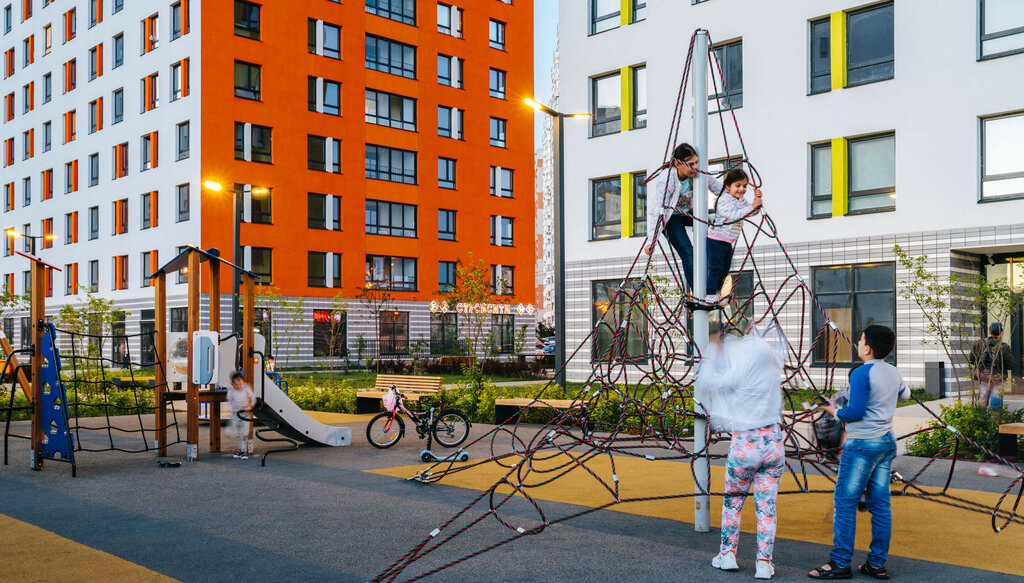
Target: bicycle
{"points": [[448, 427]]}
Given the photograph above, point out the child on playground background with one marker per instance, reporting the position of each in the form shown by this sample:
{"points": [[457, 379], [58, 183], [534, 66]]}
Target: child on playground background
{"points": [[726, 228], [669, 199], [739, 386], [866, 463], [241, 398]]}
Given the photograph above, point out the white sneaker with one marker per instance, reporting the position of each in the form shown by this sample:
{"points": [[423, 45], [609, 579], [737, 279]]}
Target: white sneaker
{"points": [[712, 298], [726, 562], [765, 570]]}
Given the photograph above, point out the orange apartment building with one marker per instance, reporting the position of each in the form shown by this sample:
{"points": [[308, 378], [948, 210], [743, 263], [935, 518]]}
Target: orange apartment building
{"points": [[391, 135]]}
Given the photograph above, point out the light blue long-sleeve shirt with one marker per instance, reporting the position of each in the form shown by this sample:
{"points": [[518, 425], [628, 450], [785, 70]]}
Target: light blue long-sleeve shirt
{"points": [[874, 390]]}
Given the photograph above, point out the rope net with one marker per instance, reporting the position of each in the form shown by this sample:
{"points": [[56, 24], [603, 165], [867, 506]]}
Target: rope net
{"points": [[94, 397], [637, 401]]}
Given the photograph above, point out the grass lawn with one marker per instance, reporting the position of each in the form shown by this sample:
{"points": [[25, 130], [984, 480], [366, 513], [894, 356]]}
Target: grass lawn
{"points": [[362, 379]]}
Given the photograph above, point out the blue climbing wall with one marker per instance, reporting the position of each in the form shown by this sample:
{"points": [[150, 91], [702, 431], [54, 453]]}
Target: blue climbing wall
{"points": [[57, 439]]}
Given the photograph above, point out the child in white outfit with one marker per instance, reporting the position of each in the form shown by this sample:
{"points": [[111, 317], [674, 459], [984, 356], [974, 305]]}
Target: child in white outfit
{"points": [[241, 398], [726, 228]]}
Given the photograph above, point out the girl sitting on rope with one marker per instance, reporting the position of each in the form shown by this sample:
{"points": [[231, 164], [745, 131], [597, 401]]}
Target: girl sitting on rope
{"points": [[669, 202], [739, 387], [726, 228]]}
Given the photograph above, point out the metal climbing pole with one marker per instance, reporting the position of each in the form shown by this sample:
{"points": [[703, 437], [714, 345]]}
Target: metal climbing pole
{"points": [[702, 512]]}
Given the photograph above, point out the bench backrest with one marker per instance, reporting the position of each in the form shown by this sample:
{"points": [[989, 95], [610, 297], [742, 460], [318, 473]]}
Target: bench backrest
{"points": [[408, 382]]}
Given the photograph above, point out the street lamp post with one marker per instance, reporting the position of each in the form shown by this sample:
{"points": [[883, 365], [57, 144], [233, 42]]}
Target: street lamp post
{"points": [[32, 238], [559, 169], [236, 246]]}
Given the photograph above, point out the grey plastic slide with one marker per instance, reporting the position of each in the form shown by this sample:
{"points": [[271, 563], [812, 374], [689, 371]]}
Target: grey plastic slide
{"points": [[295, 423]]}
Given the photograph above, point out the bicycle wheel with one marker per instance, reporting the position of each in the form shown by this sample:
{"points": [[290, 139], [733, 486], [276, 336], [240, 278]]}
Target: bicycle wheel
{"points": [[450, 428], [382, 431]]}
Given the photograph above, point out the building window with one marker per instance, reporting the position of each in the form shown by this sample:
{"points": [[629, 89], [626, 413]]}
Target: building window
{"points": [[449, 20], [501, 181], [607, 104], [498, 127], [821, 56], [317, 215], [1002, 28], [94, 276], [618, 304], [445, 173], [496, 34], [176, 79], [449, 122], [261, 150], [501, 231], [853, 297], [502, 280], [150, 92], [449, 71], [95, 54], [640, 97], [183, 205], [316, 262], [94, 223], [872, 174], [327, 99], [393, 273], [247, 80], [259, 206], [390, 164], [503, 332], [247, 19], [403, 11], [47, 87], [118, 51], [445, 276], [394, 333], [606, 206], [390, 219], [316, 154], [870, 45], [148, 148], [183, 140], [71, 228], [497, 83], [639, 10], [729, 62], [444, 334], [70, 21], [262, 263], [94, 169], [118, 106], [120, 216], [47, 136], [330, 333], [332, 41], [446, 225], [146, 207], [639, 203], [604, 15], [1002, 166], [388, 109], [821, 181], [390, 56]]}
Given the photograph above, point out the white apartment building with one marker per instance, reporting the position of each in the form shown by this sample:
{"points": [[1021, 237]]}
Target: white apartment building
{"points": [[871, 124]]}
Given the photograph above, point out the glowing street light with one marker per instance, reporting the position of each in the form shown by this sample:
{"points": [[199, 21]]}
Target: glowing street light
{"points": [[559, 233]]}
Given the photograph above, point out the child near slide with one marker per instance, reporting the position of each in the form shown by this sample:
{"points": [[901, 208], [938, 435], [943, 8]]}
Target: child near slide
{"points": [[241, 398], [726, 228]]}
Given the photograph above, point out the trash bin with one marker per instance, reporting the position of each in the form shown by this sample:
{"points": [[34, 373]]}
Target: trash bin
{"points": [[935, 378]]}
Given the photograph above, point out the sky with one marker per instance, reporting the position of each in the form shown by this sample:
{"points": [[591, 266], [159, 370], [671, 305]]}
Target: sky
{"points": [[545, 30]]}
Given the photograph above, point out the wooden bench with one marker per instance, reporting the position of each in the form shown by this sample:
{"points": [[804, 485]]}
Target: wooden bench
{"points": [[505, 409], [412, 387], [122, 381], [1008, 433]]}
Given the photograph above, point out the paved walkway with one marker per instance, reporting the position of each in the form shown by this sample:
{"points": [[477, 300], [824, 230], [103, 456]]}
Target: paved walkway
{"points": [[343, 514]]}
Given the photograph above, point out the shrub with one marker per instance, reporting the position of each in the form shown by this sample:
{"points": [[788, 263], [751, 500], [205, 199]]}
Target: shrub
{"points": [[973, 421], [339, 398]]}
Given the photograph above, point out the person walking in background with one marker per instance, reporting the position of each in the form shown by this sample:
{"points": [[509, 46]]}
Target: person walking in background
{"points": [[991, 363]]}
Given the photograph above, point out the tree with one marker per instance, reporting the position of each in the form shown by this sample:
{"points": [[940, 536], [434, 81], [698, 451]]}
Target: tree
{"points": [[955, 309], [337, 330], [472, 286], [283, 310], [89, 322], [376, 300]]}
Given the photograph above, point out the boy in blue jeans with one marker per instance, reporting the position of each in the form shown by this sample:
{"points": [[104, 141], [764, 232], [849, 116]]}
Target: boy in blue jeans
{"points": [[866, 463]]}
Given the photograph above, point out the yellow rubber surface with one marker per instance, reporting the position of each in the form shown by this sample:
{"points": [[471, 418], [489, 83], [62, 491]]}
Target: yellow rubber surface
{"points": [[336, 418], [921, 529], [30, 553]]}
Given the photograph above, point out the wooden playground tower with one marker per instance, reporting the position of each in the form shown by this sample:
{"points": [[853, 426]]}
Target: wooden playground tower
{"points": [[190, 259]]}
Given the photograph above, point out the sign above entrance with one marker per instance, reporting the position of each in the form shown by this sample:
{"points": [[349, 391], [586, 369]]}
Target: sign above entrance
{"points": [[472, 308]]}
